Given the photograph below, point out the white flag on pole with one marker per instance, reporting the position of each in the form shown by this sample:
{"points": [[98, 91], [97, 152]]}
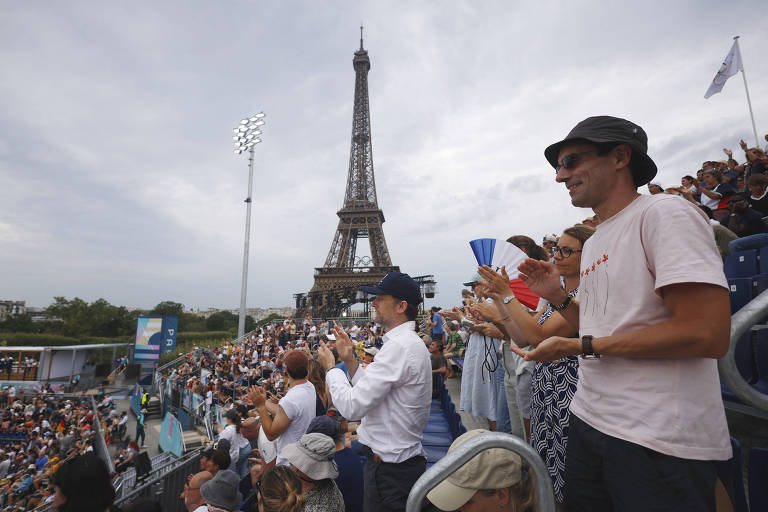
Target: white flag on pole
{"points": [[731, 65]]}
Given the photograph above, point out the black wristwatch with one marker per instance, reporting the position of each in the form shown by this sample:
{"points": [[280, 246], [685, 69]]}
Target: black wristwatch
{"points": [[587, 352]]}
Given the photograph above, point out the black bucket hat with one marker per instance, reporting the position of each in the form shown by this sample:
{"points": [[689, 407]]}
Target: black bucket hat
{"points": [[600, 129]]}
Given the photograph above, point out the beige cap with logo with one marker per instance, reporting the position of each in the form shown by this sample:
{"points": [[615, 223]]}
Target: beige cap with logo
{"points": [[495, 468]]}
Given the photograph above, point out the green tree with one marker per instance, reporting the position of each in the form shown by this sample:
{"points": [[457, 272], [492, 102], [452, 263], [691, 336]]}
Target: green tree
{"points": [[168, 308], [221, 321], [18, 323]]}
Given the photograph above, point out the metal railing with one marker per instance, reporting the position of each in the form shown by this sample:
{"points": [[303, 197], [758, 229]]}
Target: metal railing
{"points": [[166, 483], [100, 445], [741, 321], [127, 481], [462, 454]]}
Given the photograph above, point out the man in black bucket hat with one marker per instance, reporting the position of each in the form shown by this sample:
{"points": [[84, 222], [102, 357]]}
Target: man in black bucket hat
{"points": [[647, 419]]}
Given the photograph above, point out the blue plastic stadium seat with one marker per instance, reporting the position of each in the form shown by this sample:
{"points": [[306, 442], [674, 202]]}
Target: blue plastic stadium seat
{"points": [[459, 361], [764, 261], [757, 478], [740, 292], [729, 473], [761, 361], [437, 426], [437, 439], [435, 453], [741, 264]]}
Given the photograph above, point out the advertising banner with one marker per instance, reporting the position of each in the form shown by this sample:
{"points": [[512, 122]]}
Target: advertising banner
{"points": [[170, 327]]}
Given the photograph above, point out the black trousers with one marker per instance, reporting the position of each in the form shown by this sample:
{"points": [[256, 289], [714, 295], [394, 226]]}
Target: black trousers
{"points": [[604, 473], [387, 484]]}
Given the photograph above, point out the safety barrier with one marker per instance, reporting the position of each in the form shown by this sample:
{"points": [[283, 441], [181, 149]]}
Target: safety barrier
{"points": [[750, 314], [166, 483], [458, 457], [99, 444]]}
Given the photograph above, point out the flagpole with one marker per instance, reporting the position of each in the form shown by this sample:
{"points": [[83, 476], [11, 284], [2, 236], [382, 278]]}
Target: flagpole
{"points": [[749, 102]]}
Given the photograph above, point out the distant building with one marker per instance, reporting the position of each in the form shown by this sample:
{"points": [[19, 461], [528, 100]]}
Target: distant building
{"points": [[12, 308], [256, 313]]}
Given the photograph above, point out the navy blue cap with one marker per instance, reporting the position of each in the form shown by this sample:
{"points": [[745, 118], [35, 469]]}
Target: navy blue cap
{"points": [[398, 285]]}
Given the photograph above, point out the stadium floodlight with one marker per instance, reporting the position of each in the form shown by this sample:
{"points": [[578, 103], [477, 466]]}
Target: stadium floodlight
{"points": [[246, 136]]}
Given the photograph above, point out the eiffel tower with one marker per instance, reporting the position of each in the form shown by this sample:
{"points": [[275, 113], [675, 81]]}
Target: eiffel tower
{"points": [[338, 281]]}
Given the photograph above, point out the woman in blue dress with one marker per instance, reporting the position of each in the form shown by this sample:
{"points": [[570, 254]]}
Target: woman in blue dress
{"points": [[553, 383]]}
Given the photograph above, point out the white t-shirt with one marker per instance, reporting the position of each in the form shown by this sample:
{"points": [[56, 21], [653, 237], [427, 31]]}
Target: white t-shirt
{"points": [[299, 405], [672, 406], [267, 448]]}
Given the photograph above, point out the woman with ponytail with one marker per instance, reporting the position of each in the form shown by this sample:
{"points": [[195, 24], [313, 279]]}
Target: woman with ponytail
{"points": [[239, 446], [281, 491]]}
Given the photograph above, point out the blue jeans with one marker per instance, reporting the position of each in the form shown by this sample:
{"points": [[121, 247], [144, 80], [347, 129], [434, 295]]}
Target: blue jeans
{"points": [[748, 242]]}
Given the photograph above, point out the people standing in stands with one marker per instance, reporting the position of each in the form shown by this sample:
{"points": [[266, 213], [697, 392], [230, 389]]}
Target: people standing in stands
{"points": [[392, 395], [312, 459], [350, 479], [479, 389], [316, 376], [140, 420], [436, 325], [286, 421], [647, 419], [554, 383], [239, 447], [439, 367], [714, 193]]}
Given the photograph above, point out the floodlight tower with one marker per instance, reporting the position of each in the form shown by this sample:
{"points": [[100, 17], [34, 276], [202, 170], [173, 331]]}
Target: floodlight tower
{"points": [[246, 136]]}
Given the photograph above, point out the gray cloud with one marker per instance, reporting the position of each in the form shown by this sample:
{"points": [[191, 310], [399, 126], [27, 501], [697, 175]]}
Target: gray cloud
{"points": [[115, 152]]}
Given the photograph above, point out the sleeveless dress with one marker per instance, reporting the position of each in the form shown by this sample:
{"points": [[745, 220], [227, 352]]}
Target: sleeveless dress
{"points": [[552, 389]]}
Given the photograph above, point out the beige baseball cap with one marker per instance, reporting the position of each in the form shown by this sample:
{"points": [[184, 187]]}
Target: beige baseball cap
{"points": [[495, 468]]}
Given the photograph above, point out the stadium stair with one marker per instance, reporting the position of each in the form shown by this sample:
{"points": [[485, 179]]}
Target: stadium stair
{"points": [[443, 427]]}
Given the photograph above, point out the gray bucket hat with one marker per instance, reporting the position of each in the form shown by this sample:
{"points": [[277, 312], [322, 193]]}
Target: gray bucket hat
{"points": [[313, 456], [221, 490]]}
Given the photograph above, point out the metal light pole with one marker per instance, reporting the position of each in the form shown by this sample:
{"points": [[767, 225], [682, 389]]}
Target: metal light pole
{"points": [[246, 136]]}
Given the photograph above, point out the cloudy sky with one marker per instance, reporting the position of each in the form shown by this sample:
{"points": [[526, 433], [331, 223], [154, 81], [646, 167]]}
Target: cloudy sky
{"points": [[119, 180]]}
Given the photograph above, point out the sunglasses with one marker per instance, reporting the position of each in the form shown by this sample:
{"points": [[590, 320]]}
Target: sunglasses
{"points": [[572, 160], [565, 252]]}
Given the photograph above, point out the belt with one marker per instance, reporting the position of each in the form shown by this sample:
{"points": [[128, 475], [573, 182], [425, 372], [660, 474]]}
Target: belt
{"points": [[369, 453]]}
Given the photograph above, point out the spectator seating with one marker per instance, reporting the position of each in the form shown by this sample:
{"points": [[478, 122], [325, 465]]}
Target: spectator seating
{"points": [[761, 361], [729, 473], [740, 291], [758, 476], [443, 427], [742, 264]]}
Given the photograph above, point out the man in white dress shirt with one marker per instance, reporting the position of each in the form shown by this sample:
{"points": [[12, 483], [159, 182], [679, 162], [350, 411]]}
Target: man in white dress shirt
{"points": [[392, 395]]}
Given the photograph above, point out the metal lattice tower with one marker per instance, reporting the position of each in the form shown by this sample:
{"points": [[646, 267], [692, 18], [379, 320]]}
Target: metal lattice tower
{"points": [[359, 217]]}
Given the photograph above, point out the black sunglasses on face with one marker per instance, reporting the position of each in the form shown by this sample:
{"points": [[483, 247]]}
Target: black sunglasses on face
{"points": [[572, 160], [565, 252]]}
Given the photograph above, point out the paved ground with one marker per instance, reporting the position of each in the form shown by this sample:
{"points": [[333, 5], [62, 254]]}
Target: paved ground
{"points": [[152, 430], [469, 421]]}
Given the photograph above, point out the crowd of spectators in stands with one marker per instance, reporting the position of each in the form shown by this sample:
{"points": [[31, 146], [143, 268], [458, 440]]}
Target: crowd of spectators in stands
{"points": [[277, 409], [39, 432], [733, 194]]}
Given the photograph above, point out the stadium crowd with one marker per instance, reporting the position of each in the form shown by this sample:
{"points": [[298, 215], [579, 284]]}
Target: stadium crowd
{"points": [[296, 434], [39, 432]]}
